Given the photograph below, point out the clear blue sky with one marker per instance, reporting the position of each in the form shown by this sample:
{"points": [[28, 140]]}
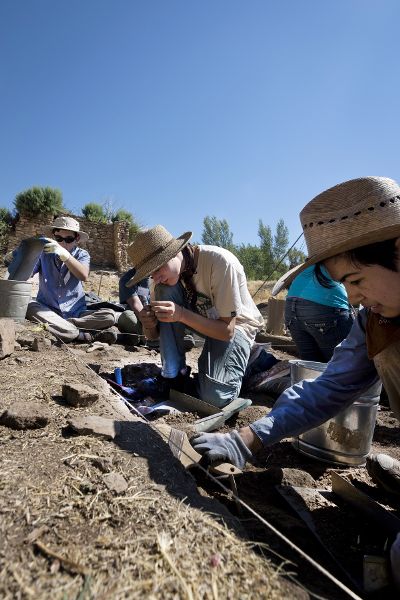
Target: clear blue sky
{"points": [[178, 109]]}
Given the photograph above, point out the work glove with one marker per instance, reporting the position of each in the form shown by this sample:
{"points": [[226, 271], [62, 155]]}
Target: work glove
{"points": [[54, 247], [226, 447]]}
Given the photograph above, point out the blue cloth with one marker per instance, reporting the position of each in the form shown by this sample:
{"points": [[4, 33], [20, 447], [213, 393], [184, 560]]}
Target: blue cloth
{"points": [[59, 289], [316, 329], [306, 286], [309, 403], [127, 292]]}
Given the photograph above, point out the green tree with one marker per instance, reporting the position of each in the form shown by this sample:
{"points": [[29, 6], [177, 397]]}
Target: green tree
{"points": [[251, 257], [295, 257], [39, 200], [281, 241], [216, 232], [94, 212], [265, 235], [124, 215]]}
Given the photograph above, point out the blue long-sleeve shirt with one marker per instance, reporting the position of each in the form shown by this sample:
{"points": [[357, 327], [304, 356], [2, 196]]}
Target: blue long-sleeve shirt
{"points": [[309, 403]]}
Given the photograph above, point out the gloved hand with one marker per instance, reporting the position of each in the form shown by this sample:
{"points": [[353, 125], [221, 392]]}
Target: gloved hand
{"points": [[227, 447], [56, 248]]}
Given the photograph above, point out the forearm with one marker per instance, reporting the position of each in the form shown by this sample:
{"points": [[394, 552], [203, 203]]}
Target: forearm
{"points": [[79, 270], [310, 403], [217, 329], [135, 304]]}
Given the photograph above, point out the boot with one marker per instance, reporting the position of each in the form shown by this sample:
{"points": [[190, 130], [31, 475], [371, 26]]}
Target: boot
{"points": [[384, 471]]}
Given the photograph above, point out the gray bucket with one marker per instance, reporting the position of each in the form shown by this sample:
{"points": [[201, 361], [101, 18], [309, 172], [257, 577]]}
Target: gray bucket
{"points": [[346, 438], [14, 298]]}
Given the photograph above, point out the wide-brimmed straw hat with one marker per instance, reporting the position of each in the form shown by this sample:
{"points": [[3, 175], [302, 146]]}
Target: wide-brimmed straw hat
{"points": [[349, 215], [70, 224], [152, 248]]}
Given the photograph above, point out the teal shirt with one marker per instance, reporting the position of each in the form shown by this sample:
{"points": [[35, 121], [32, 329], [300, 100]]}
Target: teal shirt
{"points": [[307, 287]]}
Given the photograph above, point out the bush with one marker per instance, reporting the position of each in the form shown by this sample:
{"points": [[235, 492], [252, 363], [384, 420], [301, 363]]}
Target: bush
{"points": [[39, 200], [94, 212], [124, 215], [5, 227]]}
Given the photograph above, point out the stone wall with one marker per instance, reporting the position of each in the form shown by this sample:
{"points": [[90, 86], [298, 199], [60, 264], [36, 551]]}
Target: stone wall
{"points": [[107, 243]]}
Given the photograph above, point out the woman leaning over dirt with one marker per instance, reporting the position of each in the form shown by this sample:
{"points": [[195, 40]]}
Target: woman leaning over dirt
{"points": [[353, 229]]}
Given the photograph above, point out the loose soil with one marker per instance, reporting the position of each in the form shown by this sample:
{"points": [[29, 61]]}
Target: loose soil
{"points": [[171, 533]]}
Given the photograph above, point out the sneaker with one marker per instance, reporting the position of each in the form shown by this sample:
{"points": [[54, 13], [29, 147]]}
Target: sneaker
{"points": [[384, 471], [107, 336]]}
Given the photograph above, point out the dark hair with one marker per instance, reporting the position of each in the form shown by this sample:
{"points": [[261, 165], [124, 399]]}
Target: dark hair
{"points": [[322, 279], [384, 254]]}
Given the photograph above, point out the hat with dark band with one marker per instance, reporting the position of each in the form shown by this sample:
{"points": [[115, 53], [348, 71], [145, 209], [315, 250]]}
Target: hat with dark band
{"points": [[349, 215]]}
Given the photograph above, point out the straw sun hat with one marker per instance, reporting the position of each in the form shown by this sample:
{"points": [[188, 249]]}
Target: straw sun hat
{"points": [[152, 248], [70, 224], [352, 214]]}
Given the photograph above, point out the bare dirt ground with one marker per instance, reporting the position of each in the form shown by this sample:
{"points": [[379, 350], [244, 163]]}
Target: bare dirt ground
{"points": [[70, 529]]}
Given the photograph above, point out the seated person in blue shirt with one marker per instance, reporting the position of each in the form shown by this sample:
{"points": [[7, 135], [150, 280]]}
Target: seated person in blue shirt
{"points": [[60, 302], [353, 229], [317, 313]]}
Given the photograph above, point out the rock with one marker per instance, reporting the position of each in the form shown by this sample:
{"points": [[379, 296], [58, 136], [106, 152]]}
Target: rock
{"points": [[286, 476], [25, 338], [115, 482], [22, 360], [79, 395], [7, 337], [103, 464], [95, 425], [40, 344], [25, 415]]}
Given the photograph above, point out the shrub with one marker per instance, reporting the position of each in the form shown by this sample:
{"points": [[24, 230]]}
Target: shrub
{"points": [[124, 215], [39, 200], [94, 212], [5, 227]]}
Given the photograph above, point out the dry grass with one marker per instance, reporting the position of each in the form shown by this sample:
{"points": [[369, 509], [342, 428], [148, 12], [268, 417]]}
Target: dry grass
{"points": [[65, 535]]}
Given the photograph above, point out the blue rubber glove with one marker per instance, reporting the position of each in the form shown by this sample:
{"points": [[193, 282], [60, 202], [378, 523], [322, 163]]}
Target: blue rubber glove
{"points": [[226, 447]]}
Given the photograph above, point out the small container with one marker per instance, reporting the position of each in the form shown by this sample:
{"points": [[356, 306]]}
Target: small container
{"points": [[347, 437], [118, 376]]}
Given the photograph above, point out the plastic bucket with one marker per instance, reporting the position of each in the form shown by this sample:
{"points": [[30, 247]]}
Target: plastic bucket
{"points": [[14, 298], [347, 437]]}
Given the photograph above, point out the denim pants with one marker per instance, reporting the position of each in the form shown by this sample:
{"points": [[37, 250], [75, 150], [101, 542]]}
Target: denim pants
{"points": [[221, 364], [316, 329]]}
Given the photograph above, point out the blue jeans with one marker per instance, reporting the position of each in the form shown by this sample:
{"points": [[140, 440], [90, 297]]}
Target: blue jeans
{"points": [[316, 329], [221, 364]]}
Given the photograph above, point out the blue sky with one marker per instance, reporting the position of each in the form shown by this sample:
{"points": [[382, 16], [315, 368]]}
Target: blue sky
{"points": [[178, 109]]}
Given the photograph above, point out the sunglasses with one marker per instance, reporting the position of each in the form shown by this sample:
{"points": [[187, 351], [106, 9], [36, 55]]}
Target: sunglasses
{"points": [[68, 240]]}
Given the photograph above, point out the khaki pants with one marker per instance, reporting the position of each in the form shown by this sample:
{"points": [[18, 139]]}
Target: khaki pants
{"points": [[68, 329]]}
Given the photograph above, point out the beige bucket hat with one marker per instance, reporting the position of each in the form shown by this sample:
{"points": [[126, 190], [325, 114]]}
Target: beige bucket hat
{"points": [[349, 215], [70, 224], [152, 248]]}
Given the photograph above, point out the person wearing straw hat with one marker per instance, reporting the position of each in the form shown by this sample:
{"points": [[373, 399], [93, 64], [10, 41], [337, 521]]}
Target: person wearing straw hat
{"points": [[60, 302], [202, 288], [353, 229]]}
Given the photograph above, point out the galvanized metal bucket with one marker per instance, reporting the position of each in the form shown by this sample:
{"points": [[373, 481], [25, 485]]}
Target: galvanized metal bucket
{"points": [[347, 437], [14, 298]]}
